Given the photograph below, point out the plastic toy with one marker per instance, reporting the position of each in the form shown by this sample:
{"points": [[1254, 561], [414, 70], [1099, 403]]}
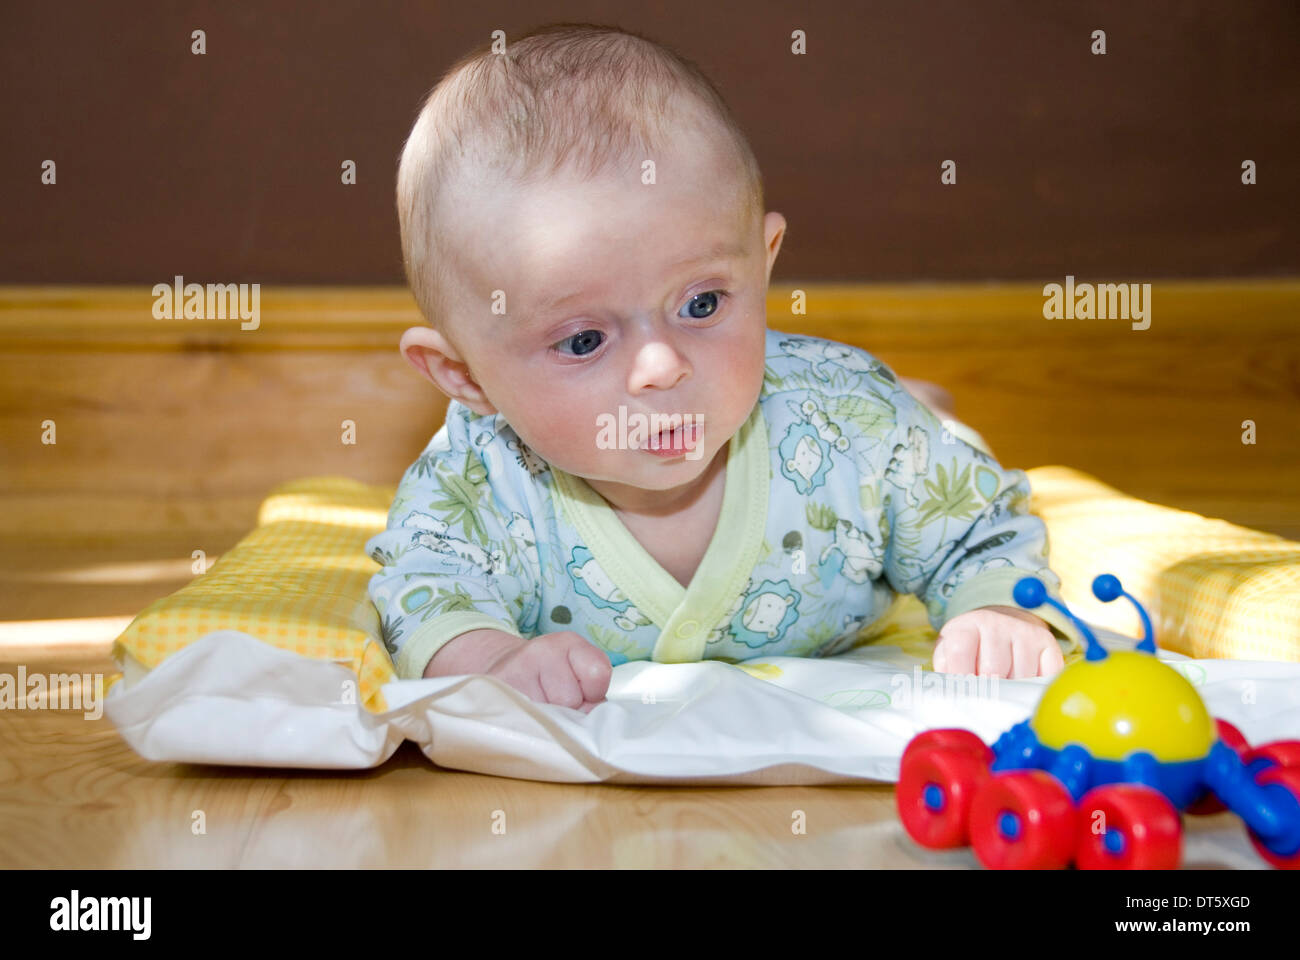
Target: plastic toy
{"points": [[1119, 744]]}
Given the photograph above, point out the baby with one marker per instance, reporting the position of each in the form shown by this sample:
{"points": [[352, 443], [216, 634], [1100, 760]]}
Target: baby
{"points": [[633, 466]]}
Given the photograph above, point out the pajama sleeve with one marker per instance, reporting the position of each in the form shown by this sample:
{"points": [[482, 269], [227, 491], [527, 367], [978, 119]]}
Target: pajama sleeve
{"points": [[960, 531], [459, 552]]}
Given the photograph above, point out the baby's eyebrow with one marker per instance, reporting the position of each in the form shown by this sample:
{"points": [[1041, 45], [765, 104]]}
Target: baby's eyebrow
{"points": [[725, 250]]}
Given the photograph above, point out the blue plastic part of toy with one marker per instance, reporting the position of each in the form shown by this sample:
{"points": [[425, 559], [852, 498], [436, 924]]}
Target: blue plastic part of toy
{"points": [[1072, 766], [1106, 588], [1259, 765], [1141, 767], [1017, 749], [1270, 810], [1030, 593], [1283, 812], [1009, 825], [1114, 842], [934, 798]]}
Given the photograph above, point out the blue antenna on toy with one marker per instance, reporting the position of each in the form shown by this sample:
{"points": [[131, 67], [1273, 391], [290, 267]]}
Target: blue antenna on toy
{"points": [[1106, 588], [1029, 592]]}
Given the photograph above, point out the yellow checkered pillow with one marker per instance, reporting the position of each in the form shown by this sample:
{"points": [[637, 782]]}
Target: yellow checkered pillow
{"points": [[1212, 589], [297, 582]]}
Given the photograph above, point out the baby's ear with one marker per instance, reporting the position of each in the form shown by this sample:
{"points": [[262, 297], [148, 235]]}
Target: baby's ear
{"points": [[479, 405], [773, 234], [435, 359], [421, 346]]}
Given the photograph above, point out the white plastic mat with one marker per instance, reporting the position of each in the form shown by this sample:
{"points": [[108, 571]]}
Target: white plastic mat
{"points": [[231, 699]]}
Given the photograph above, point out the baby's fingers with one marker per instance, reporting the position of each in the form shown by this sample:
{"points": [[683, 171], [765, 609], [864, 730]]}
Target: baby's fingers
{"points": [[559, 685], [995, 656], [592, 669], [1027, 652], [956, 650], [1051, 661]]}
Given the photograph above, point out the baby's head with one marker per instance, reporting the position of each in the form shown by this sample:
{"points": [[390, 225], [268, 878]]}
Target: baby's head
{"points": [[583, 228]]}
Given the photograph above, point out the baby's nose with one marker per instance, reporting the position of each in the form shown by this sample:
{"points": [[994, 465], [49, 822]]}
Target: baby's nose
{"points": [[659, 365]]}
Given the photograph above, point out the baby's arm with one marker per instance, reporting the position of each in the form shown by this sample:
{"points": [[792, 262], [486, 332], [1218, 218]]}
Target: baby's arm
{"points": [[471, 652], [960, 536], [560, 668], [459, 590]]}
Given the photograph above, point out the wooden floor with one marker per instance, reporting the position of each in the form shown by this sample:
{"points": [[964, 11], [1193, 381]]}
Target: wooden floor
{"points": [[145, 474], [73, 795]]}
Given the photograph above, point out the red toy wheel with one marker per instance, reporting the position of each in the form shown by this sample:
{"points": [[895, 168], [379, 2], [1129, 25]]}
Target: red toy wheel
{"points": [[1023, 820], [1284, 753], [935, 788], [1208, 802], [1140, 829], [950, 738], [1288, 777]]}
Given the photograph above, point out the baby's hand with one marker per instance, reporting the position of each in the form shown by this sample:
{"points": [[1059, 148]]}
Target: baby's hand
{"points": [[563, 668], [998, 641]]}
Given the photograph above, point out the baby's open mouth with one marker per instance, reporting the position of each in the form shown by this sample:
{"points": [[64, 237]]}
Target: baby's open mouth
{"points": [[680, 437]]}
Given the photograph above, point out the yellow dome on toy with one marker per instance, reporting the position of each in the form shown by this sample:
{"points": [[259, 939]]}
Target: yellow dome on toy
{"points": [[1125, 703]]}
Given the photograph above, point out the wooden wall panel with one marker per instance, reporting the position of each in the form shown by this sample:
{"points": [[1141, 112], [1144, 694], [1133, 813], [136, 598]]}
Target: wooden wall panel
{"points": [[167, 425]]}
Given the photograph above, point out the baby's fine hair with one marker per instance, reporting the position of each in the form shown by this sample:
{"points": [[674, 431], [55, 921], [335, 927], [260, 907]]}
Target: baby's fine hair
{"points": [[589, 97]]}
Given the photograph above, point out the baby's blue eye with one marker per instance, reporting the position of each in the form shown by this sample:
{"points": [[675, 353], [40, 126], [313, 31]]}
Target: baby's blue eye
{"points": [[702, 299], [586, 341]]}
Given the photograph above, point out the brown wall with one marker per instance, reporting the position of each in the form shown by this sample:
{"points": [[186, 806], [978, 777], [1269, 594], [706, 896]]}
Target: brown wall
{"points": [[225, 167]]}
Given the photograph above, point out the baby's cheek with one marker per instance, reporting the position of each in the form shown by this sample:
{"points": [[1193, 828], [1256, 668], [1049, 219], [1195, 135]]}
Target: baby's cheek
{"points": [[557, 436]]}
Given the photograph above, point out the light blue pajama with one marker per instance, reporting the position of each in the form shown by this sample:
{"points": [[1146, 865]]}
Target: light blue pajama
{"points": [[842, 491]]}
